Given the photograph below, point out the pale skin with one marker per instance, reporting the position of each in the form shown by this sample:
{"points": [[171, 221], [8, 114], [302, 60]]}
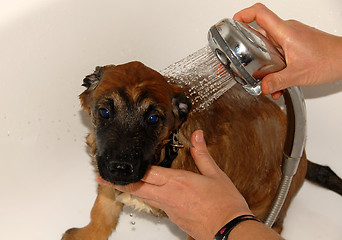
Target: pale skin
{"points": [[201, 214]]}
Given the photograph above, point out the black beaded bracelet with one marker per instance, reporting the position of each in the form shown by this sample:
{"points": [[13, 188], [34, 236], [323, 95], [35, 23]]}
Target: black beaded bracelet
{"points": [[223, 233]]}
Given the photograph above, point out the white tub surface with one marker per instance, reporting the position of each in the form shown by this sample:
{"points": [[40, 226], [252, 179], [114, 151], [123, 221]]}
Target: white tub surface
{"points": [[47, 47]]}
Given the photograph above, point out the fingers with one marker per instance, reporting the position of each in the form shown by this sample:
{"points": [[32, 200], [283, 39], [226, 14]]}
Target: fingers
{"points": [[264, 17], [205, 163], [157, 176], [149, 187], [277, 32], [134, 188], [126, 188], [147, 192]]}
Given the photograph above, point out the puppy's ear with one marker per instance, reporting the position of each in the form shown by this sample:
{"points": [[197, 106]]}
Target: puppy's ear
{"points": [[91, 81], [181, 106]]}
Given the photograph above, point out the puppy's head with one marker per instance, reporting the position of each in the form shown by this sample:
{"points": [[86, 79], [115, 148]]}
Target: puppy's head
{"points": [[133, 111]]}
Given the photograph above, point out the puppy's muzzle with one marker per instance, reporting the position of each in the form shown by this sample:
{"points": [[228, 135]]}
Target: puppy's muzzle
{"points": [[122, 167]]}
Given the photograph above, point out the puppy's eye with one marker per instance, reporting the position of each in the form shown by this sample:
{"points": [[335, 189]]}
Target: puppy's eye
{"points": [[104, 113], [153, 119]]}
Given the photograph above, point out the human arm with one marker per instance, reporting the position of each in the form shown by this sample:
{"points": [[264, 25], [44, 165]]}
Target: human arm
{"points": [[313, 57], [200, 204]]}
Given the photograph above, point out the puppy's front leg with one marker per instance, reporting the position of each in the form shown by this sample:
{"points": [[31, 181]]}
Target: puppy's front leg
{"points": [[104, 218]]}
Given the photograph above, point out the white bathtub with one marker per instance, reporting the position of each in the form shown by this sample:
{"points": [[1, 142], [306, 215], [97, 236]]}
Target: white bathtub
{"points": [[47, 47]]}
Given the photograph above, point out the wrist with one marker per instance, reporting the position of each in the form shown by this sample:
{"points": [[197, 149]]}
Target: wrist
{"points": [[338, 57], [333, 64], [226, 213], [224, 232], [248, 230]]}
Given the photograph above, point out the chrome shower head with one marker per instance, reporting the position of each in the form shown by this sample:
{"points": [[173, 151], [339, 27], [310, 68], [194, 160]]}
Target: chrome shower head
{"points": [[245, 53]]}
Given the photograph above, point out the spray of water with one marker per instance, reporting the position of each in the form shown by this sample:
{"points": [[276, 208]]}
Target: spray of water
{"points": [[202, 75]]}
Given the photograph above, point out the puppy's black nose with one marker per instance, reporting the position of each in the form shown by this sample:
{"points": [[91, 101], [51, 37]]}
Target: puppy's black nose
{"points": [[121, 167]]}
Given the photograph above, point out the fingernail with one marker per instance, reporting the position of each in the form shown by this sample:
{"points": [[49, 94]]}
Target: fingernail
{"points": [[199, 136]]}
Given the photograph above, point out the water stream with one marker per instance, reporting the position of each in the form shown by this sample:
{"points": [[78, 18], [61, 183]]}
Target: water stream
{"points": [[202, 75]]}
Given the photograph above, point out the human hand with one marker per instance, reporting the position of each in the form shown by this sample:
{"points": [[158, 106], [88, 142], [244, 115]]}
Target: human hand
{"points": [[200, 204], [313, 57]]}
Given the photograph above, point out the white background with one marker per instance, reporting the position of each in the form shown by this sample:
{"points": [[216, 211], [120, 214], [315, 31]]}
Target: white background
{"points": [[47, 47]]}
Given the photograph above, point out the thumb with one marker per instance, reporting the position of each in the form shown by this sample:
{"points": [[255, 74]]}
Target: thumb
{"points": [[204, 162], [278, 81]]}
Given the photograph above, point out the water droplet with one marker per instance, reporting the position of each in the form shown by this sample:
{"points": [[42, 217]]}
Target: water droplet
{"points": [[132, 222], [131, 215]]}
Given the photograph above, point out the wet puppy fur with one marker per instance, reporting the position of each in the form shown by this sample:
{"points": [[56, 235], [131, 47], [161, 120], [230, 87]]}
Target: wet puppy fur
{"points": [[133, 111]]}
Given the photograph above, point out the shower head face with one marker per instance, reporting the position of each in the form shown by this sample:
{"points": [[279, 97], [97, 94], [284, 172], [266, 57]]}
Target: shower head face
{"points": [[245, 53]]}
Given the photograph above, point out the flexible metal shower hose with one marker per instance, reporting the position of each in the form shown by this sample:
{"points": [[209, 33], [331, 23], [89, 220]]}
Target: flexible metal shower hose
{"points": [[293, 150]]}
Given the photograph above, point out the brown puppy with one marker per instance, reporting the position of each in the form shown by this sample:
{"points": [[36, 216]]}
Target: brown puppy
{"points": [[135, 113]]}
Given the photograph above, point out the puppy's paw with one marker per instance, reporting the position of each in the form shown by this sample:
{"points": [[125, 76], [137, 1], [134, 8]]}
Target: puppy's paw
{"points": [[86, 233], [73, 234]]}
